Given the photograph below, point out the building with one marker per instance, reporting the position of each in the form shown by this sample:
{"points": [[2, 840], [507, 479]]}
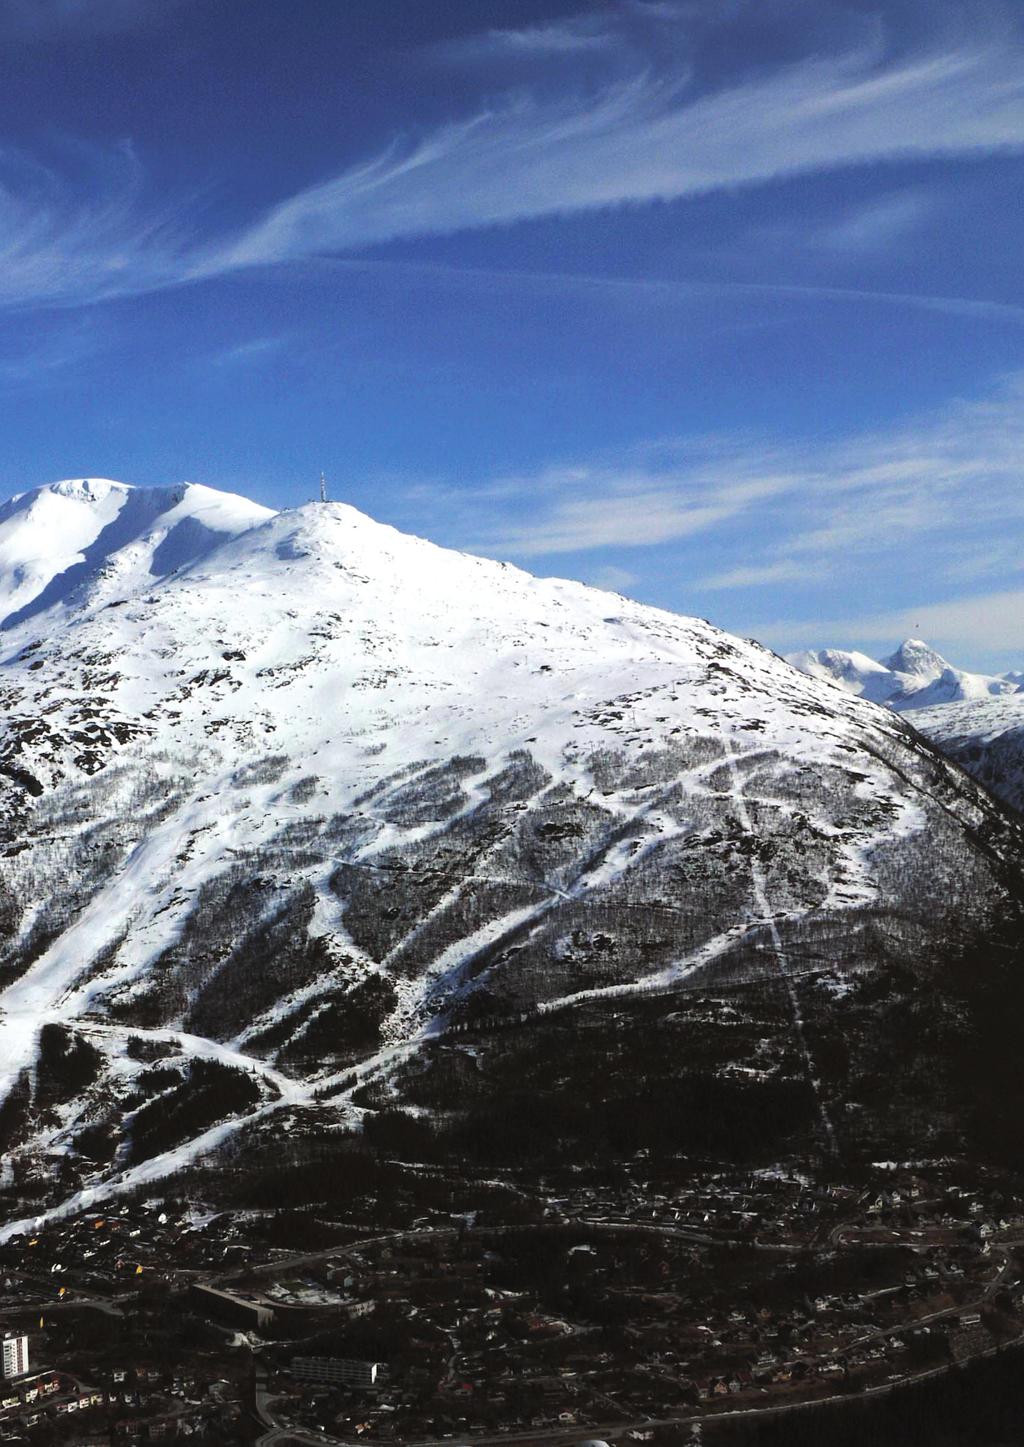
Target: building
{"points": [[15, 1358], [246, 1312], [338, 1371]]}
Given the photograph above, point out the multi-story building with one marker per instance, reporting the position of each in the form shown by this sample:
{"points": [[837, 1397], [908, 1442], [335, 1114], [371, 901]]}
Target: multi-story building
{"points": [[248, 1312], [15, 1356], [338, 1371]]}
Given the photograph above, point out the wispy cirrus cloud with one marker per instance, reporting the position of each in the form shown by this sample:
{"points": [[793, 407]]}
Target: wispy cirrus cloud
{"points": [[660, 293], [573, 35], [757, 575], [248, 353], [915, 516], [611, 578], [652, 132], [44, 358], [874, 226], [85, 230], [945, 487], [655, 138], [869, 229], [660, 493]]}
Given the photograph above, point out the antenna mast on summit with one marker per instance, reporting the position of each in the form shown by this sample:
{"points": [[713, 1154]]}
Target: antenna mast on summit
{"points": [[323, 488]]}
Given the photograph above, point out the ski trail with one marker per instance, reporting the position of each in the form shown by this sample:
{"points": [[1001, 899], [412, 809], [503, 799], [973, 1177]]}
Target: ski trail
{"points": [[157, 1168], [759, 884], [666, 981], [289, 1091]]}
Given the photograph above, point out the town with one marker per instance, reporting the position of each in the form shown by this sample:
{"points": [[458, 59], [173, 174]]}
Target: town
{"points": [[580, 1308]]}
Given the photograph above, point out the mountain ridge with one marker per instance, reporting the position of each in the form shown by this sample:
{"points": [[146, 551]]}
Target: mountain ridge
{"points": [[985, 737], [67, 542], [914, 676], [976, 719], [322, 804]]}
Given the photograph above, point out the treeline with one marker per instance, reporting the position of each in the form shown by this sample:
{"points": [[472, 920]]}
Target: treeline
{"points": [[690, 1114], [67, 1065], [211, 1092]]}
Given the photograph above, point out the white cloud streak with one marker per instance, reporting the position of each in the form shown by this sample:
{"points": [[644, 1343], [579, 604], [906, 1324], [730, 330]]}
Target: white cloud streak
{"points": [[653, 136], [945, 487], [248, 353], [759, 575], [557, 39], [612, 579], [68, 19], [921, 511], [875, 226], [67, 241], [44, 359], [660, 293], [637, 503]]}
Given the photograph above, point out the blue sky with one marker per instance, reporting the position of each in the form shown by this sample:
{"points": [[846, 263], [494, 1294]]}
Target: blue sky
{"points": [[715, 302]]}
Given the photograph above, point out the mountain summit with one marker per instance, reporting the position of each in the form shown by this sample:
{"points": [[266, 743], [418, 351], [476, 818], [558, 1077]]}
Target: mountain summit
{"points": [[90, 539], [913, 677], [915, 659], [317, 833], [975, 718]]}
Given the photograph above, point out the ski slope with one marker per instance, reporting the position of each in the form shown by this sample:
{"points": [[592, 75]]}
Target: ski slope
{"points": [[299, 802]]}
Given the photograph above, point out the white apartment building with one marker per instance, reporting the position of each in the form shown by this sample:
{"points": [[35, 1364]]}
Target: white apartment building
{"points": [[15, 1356], [337, 1371]]}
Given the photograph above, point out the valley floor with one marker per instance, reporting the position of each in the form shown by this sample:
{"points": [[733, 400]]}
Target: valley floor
{"points": [[632, 1303]]}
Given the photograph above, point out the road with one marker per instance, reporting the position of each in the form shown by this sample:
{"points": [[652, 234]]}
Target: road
{"points": [[69, 1303], [275, 1434], [394, 1238]]}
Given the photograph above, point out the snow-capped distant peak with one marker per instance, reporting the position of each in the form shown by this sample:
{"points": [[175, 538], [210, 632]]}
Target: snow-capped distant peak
{"points": [[914, 677], [853, 671], [835, 662], [915, 658]]}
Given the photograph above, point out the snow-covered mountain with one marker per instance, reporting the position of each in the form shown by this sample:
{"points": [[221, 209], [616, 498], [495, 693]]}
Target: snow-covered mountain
{"points": [[313, 827], [87, 540], [914, 677], [984, 736], [976, 718]]}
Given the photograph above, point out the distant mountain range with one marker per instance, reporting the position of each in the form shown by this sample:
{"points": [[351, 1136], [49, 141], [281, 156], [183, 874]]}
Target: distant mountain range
{"points": [[314, 834], [976, 718], [915, 676]]}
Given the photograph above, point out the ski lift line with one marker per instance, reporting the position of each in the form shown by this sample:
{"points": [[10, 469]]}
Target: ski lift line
{"points": [[785, 973], [709, 990]]}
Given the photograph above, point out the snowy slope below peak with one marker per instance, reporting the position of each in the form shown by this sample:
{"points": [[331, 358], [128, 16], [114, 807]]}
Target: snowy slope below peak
{"points": [[320, 628], [326, 793], [91, 540]]}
